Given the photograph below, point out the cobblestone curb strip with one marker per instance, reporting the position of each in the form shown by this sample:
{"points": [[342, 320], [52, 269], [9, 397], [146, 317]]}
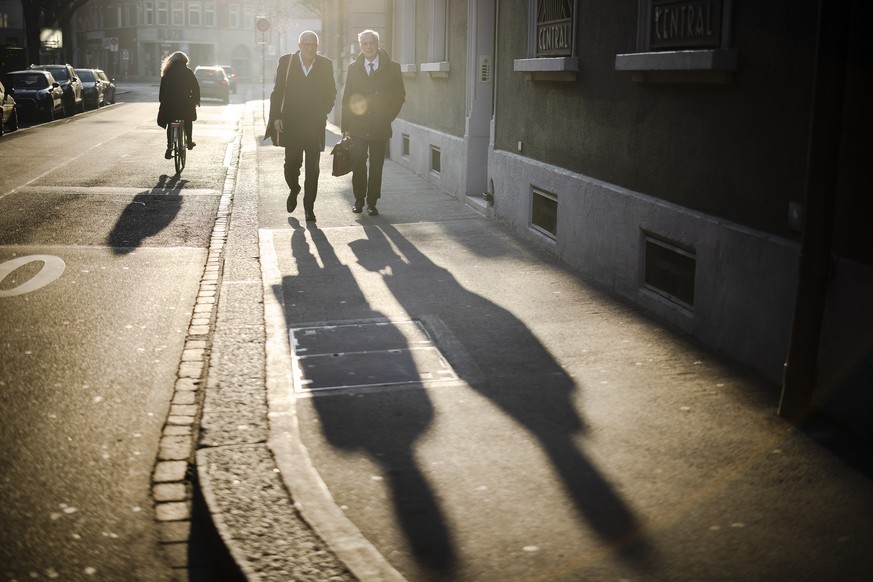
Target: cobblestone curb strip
{"points": [[172, 487]]}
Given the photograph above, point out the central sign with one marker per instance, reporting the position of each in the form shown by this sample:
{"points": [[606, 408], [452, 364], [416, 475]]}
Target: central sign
{"points": [[678, 24]]}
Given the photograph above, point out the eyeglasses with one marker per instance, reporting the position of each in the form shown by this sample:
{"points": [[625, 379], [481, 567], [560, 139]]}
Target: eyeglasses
{"points": [[308, 44]]}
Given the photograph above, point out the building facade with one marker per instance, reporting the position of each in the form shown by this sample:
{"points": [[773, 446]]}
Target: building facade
{"points": [[130, 38], [664, 149]]}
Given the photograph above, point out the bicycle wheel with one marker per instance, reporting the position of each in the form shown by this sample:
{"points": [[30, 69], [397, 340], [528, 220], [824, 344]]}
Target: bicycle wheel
{"points": [[179, 148]]}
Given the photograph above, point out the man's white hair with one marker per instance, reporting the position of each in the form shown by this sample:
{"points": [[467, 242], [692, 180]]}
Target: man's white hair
{"points": [[368, 32], [307, 33]]}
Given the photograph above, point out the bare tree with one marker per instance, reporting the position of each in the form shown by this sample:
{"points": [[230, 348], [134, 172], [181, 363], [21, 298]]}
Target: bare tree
{"points": [[39, 13]]}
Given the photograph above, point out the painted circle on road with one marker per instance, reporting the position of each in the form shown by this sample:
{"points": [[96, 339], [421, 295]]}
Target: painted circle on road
{"points": [[52, 268]]}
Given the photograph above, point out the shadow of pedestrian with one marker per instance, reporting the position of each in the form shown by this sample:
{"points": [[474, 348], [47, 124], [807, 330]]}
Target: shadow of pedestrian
{"points": [[383, 424], [147, 214], [518, 375]]}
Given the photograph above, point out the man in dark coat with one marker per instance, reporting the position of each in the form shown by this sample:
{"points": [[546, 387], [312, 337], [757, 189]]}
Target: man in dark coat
{"points": [[372, 99], [302, 97], [179, 95]]}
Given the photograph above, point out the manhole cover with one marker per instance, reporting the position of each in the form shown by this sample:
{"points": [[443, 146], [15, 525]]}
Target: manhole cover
{"points": [[364, 354]]}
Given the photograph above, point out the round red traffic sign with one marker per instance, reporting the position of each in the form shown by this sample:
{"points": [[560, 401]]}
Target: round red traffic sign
{"points": [[263, 24]]}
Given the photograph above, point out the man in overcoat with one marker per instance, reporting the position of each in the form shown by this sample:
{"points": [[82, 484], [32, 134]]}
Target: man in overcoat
{"points": [[302, 97], [372, 99]]}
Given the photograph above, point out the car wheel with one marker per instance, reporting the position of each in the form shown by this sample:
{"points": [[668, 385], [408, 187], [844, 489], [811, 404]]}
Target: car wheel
{"points": [[226, 99], [82, 106], [68, 108], [13, 119]]}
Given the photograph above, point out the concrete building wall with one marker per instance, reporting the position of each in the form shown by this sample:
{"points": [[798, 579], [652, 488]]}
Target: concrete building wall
{"points": [[727, 149]]}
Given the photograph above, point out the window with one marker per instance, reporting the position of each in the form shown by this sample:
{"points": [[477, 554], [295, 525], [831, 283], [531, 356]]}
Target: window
{"points": [[404, 32], [435, 165], [405, 146], [544, 212], [554, 30], [162, 13], [233, 15], [178, 13], [209, 13], [130, 18], [195, 14], [682, 41], [148, 13], [248, 17], [94, 18], [438, 31], [552, 49]]}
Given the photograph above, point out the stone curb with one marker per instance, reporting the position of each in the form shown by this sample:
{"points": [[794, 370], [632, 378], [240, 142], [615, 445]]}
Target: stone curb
{"points": [[173, 487]]}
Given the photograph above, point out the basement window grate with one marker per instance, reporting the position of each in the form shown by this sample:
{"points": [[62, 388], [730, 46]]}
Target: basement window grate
{"points": [[670, 270], [544, 212], [405, 146]]}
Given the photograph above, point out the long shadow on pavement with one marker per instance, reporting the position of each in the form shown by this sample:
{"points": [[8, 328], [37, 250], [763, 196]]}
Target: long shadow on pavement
{"points": [[520, 376], [148, 213], [384, 426]]}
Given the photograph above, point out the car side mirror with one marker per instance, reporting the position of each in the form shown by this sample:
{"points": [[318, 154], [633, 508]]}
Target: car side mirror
{"points": [[56, 84]]}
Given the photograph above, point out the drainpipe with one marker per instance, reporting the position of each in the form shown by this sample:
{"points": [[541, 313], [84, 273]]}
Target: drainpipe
{"points": [[822, 173]]}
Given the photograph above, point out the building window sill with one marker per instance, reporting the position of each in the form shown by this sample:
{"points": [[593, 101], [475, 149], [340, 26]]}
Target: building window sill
{"points": [[547, 69], [688, 66], [408, 70], [440, 69]]}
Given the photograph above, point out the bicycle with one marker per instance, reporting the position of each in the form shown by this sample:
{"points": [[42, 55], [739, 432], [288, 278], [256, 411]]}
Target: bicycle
{"points": [[178, 144]]}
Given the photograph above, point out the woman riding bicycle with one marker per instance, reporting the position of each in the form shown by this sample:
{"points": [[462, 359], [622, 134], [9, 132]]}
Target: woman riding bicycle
{"points": [[179, 95]]}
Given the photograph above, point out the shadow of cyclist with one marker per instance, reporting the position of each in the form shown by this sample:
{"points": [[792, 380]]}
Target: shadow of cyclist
{"points": [[148, 213]]}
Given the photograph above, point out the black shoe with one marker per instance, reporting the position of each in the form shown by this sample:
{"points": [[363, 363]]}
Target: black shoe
{"points": [[357, 208], [191, 144], [310, 216], [372, 211], [291, 203], [169, 153]]}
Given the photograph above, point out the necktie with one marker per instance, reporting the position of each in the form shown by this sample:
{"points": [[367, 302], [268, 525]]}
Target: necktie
{"points": [[371, 69]]}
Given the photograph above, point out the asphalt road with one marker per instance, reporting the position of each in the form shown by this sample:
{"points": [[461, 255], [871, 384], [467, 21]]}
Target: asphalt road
{"points": [[102, 250]]}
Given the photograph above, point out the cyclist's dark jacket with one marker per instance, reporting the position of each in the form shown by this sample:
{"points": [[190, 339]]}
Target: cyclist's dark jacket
{"points": [[180, 93]]}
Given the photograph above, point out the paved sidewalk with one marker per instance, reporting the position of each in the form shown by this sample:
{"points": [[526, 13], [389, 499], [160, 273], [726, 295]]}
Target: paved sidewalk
{"points": [[456, 404]]}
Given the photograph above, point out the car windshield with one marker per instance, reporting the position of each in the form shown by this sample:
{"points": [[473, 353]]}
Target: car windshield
{"points": [[29, 81], [59, 73], [86, 75]]}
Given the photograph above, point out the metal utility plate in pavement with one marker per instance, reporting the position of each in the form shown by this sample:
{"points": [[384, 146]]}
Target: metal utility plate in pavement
{"points": [[366, 354]]}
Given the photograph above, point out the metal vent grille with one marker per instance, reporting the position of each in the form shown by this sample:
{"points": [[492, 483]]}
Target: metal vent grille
{"points": [[544, 212], [669, 271]]}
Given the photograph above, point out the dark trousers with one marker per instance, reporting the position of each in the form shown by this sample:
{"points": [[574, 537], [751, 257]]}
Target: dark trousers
{"points": [[189, 127], [293, 161], [367, 185]]}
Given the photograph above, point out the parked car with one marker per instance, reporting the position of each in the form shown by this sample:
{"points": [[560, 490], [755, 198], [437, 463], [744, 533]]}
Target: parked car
{"points": [[74, 99], [231, 77], [94, 89], [8, 111], [37, 94], [108, 86], [213, 83]]}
